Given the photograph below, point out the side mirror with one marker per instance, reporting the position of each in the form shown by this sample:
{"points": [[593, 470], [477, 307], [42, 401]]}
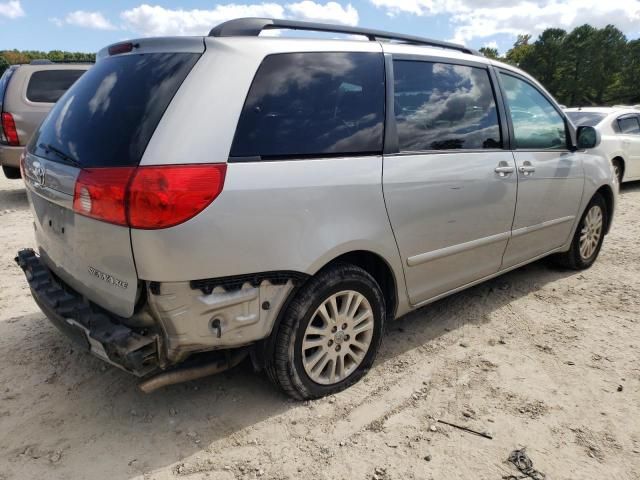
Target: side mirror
{"points": [[588, 137]]}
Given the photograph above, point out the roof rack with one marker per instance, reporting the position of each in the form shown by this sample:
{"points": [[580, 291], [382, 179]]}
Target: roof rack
{"points": [[252, 27]]}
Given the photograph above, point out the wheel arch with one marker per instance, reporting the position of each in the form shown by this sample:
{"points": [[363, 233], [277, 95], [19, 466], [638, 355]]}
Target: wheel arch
{"points": [[371, 262], [620, 159], [607, 193], [379, 269]]}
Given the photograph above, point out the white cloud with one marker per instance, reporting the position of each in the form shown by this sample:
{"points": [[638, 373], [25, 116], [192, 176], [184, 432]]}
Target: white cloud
{"points": [[330, 12], [81, 18], [512, 17], [12, 9], [154, 20], [491, 44]]}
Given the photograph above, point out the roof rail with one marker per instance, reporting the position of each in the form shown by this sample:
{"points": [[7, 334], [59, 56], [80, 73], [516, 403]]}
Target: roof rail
{"points": [[45, 61], [252, 27]]}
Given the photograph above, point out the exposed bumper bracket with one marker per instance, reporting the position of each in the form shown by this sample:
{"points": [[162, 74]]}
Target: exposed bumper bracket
{"points": [[86, 325]]}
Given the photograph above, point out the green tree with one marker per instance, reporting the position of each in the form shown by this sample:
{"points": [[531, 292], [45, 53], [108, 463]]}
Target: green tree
{"points": [[55, 55], [4, 64], [575, 86], [607, 55], [626, 88], [520, 52], [546, 56], [490, 52]]}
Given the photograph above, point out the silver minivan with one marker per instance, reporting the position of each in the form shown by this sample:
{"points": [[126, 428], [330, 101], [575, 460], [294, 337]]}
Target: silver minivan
{"points": [[27, 93], [199, 200]]}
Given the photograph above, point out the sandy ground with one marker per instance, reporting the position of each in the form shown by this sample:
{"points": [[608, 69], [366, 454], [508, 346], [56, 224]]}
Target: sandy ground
{"points": [[540, 357]]}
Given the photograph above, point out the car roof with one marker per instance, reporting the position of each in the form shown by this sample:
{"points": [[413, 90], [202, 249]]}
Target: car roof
{"points": [[55, 66], [604, 110], [245, 33]]}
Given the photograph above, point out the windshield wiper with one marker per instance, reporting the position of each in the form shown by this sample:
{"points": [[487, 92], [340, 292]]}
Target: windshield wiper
{"points": [[66, 157]]}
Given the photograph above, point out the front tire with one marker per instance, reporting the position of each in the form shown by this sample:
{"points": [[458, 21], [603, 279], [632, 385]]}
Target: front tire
{"points": [[330, 334], [587, 241]]}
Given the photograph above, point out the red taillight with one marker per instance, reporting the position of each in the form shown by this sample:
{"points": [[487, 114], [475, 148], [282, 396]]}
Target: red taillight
{"points": [[161, 197], [147, 197], [101, 192], [10, 131]]}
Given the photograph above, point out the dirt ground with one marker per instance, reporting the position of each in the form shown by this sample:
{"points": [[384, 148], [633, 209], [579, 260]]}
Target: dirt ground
{"points": [[540, 357]]}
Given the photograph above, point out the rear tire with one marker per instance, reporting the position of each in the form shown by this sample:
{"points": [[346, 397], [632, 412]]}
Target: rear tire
{"points": [[587, 241], [330, 333], [12, 173]]}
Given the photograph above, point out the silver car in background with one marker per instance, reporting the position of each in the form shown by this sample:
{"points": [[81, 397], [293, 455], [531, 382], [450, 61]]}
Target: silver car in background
{"points": [[619, 129], [200, 199], [27, 93]]}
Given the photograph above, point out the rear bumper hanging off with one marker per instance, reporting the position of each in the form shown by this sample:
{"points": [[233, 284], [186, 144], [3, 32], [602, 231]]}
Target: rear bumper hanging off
{"points": [[89, 327]]}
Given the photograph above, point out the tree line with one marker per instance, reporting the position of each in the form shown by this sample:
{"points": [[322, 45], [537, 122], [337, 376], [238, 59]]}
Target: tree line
{"points": [[15, 57], [587, 66]]}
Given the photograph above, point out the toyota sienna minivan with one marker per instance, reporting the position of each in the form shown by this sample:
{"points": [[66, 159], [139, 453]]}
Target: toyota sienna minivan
{"points": [[197, 200]]}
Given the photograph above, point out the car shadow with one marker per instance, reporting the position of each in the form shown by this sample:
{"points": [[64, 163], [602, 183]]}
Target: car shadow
{"points": [[59, 398], [14, 198], [629, 187]]}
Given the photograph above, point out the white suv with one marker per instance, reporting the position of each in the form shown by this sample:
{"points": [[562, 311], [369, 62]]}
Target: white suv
{"points": [[285, 198], [619, 128]]}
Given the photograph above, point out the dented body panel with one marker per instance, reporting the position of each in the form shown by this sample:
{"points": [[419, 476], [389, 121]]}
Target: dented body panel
{"points": [[194, 321]]}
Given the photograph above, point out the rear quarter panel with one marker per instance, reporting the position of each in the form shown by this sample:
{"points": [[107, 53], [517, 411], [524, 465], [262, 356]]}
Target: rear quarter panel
{"points": [[278, 215], [282, 215]]}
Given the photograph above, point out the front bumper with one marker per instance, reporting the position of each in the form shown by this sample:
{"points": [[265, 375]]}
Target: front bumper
{"points": [[10, 156], [90, 327]]}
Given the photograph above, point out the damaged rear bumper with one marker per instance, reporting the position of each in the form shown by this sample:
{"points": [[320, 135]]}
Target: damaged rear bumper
{"points": [[90, 327]]}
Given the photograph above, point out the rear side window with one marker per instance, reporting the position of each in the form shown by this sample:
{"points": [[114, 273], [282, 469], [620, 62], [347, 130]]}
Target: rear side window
{"points": [[47, 86], [629, 125], [444, 107], [313, 104], [107, 117], [537, 124]]}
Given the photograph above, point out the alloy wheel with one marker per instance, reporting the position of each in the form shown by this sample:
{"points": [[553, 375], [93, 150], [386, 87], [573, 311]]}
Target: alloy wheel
{"points": [[591, 232], [337, 337]]}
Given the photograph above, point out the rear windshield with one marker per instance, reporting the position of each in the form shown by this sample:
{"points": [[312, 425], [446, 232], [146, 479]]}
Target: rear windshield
{"points": [[47, 86], [107, 117], [587, 119]]}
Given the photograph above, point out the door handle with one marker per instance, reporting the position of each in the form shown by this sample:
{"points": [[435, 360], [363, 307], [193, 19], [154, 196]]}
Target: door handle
{"points": [[527, 168], [503, 169]]}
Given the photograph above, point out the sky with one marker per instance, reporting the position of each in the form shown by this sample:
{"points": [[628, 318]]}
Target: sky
{"points": [[88, 25]]}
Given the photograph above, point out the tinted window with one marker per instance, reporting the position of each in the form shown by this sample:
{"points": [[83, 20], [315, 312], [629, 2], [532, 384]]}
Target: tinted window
{"points": [[588, 119], [313, 104], [629, 125], [442, 107], [110, 113], [536, 123], [48, 86]]}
